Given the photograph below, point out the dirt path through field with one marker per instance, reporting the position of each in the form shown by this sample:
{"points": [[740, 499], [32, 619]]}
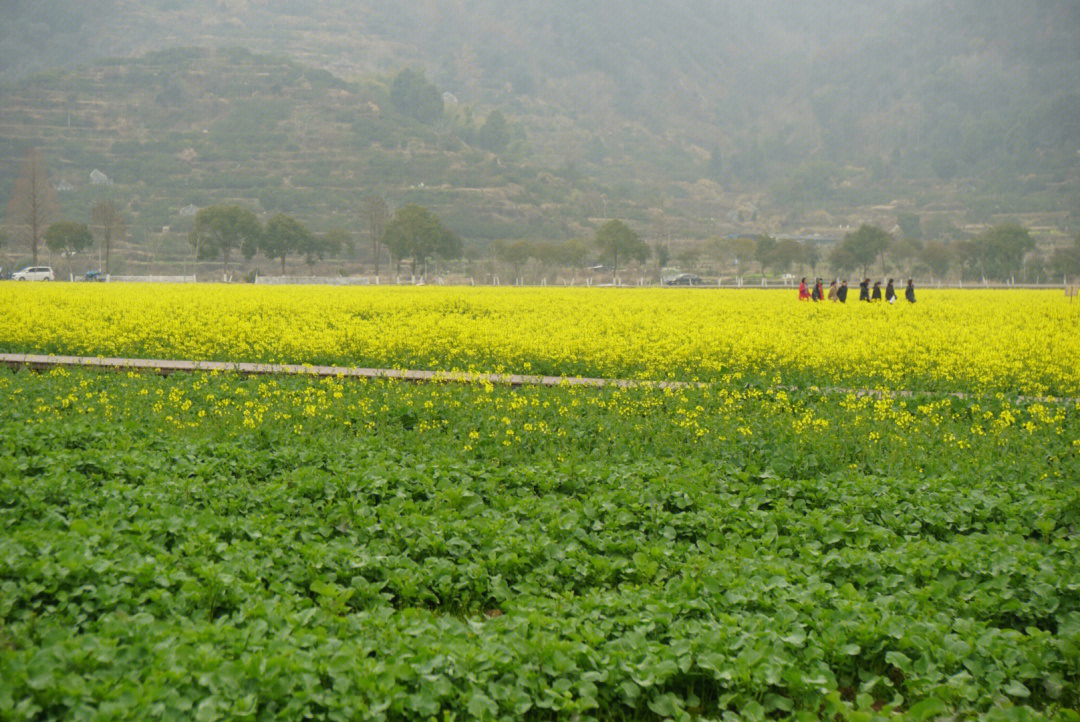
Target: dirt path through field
{"points": [[41, 362]]}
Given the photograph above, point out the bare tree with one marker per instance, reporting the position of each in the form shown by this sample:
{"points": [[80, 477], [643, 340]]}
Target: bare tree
{"points": [[33, 203], [106, 215], [199, 237], [378, 215]]}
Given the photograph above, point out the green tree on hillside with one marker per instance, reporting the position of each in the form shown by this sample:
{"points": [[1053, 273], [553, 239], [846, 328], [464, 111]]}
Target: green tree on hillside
{"points": [[415, 97], [417, 234], [904, 248], [787, 254], [765, 251], [573, 253], [1000, 251], [1066, 260], [910, 225], [937, 256], [284, 236], [219, 230], [516, 253], [494, 134], [68, 238], [860, 248], [615, 239], [316, 247], [662, 254], [338, 240], [742, 250]]}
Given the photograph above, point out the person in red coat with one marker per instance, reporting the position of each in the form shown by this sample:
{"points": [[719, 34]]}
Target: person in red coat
{"points": [[804, 293]]}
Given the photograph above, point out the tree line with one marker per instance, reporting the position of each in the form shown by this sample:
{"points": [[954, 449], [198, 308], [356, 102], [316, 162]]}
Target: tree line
{"points": [[33, 208], [1004, 252], [412, 233]]}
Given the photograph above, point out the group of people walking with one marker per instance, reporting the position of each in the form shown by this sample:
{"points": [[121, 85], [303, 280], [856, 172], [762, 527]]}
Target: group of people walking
{"points": [[866, 293]]}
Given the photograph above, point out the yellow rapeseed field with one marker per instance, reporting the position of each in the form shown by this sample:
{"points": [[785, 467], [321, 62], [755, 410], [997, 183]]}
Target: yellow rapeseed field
{"points": [[986, 341]]}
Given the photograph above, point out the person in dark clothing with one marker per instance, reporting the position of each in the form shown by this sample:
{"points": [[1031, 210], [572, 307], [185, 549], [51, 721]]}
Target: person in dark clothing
{"points": [[890, 292], [818, 293], [909, 292], [875, 295], [864, 290], [841, 293]]}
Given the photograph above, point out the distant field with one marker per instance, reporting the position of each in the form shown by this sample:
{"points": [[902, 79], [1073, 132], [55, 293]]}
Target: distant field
{"points": [[984, 341]]}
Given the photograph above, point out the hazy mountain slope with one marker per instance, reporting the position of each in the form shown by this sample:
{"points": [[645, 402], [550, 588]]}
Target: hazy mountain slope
{"points": [[192, 126], [836, 104]]}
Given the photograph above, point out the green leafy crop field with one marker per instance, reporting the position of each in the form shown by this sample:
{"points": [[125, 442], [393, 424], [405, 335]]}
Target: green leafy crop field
{"points": [[220, 547]]}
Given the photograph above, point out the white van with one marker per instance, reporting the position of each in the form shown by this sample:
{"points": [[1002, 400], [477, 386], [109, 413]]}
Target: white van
{"points": [[34, 273]]}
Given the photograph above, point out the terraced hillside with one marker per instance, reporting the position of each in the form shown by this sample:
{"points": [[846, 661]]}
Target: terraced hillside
{"points": [[192, 127]]}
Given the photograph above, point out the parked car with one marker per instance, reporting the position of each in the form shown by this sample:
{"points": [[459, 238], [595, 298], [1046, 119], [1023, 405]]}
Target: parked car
{"points": [[94, 276], [684, 279], [34, 273]]}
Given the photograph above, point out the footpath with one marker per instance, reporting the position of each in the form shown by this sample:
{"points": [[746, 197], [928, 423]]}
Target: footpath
{"points": [[43, 362]]}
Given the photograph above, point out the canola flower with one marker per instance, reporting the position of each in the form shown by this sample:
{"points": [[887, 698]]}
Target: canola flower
{"points": [[981, 341], [481, 420]]}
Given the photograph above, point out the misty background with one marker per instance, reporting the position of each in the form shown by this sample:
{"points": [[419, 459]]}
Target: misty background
{"points": [[694, 121]]}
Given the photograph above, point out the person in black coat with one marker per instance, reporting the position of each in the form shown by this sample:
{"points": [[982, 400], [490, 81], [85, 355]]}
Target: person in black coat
{"points": [[864, 290], [875, 295], [890, 292], [818, 293], [841, 293], [909, 292]]}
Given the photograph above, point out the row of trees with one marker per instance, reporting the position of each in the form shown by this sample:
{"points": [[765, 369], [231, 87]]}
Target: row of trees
{"points": [[1002, 252], [222, 230], [415, 234], [614, 241], [33, 209]]}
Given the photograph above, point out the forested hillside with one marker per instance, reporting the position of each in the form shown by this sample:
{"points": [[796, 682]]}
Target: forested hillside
{"points": [[680, 114]]}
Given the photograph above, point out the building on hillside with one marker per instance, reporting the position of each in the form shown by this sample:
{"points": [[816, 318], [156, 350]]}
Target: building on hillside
{"points": [[187, 155], [189, 211], [64, 187], [99, 179]]}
